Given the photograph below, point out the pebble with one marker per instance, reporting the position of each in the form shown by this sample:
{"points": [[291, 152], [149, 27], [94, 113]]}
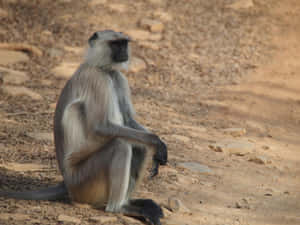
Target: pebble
{"points": [[175, 205], [103, 219], [8, 57], [196, 167], [259, 159], [21, 91], [233, 147], [152, 25], [235, 132], [68, 219]]}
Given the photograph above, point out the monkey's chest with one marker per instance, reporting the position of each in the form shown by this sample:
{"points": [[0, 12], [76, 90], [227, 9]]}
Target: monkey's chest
{"points": [[115, 114]]}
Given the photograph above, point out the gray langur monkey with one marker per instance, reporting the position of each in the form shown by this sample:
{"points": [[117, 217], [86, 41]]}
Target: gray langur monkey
{"points": [[100, 148]]}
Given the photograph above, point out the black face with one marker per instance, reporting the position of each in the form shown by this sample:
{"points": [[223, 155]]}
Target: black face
{"points": [[119, 50]]}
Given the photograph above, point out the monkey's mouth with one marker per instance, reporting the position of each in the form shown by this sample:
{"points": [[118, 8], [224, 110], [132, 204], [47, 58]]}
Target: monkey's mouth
{"points": [[121, 58]]}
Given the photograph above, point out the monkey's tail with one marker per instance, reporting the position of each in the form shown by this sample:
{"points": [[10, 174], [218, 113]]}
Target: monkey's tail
{"points": [[51, 193]]}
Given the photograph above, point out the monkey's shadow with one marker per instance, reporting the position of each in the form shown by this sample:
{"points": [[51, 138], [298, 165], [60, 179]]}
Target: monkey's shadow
{"points": [[13, 181]]}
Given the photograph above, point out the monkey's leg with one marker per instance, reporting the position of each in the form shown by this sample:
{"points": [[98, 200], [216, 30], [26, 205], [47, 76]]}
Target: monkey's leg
{"points": [[122, 182]]}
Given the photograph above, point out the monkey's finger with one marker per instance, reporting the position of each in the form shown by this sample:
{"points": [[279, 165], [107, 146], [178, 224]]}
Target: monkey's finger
{"points": [[154, 169]]}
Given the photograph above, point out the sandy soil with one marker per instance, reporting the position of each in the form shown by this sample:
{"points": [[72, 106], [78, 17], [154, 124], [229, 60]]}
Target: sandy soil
{"points": [[219, 84]]}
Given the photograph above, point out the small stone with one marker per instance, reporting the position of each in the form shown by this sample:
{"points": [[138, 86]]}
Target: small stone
{"points": [[196, 167], [241, 4], [265, 147], [21, 91], [164, 16], [139, 35], [152, 25], [148, 44], [137, 65], [65, 70], [120, 8], [68, 219], [41, 136], [167, 212], [181, 138], [12, 76], [235, 132], [233, 147], [10, 57], [175, 205], [103, 219], [242, 204], [259, 159]]}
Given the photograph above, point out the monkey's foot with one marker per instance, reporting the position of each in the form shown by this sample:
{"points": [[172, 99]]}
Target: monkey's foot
{"points": [[149, 210]]}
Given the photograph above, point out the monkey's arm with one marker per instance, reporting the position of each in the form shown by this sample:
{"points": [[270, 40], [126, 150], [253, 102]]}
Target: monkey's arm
{"points": [[135, 135], [155, 165]]}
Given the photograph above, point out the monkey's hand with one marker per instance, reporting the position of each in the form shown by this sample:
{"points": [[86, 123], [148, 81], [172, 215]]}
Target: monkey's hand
{"points": [[159, 158]]}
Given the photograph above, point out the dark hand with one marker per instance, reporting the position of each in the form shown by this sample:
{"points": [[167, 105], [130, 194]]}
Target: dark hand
{"points": [[159, 158]]}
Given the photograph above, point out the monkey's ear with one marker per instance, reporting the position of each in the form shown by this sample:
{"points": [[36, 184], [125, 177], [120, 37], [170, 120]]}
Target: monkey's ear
{"points": [[92, 39]]}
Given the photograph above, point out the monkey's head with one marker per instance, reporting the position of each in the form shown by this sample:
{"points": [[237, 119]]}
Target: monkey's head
{"points": [[108, 49]]}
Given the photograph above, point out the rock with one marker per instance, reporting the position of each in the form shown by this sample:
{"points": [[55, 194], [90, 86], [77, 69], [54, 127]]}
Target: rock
{"points": [[175, 205], [241, 4], [3, 13], [68, 219], [120, 8], [148, 44], [137, 65], [233, 147], [181, 138], [10, 57], [259, 159], [235, 132], [242, 204], [103, 219], [139, 35], [22, 167], [97, 2], [41, 136], [167, 212], [65, 70], [14, 216], [152, 25], [12, 76], [196, 167], [164, 16], [20, 91]]}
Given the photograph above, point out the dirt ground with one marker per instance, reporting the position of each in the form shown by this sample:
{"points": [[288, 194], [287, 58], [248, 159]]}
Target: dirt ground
{"points": [[217, 80]]}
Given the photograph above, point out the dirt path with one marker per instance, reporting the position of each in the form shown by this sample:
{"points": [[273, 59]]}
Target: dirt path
{"points": [[218, 80]]}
